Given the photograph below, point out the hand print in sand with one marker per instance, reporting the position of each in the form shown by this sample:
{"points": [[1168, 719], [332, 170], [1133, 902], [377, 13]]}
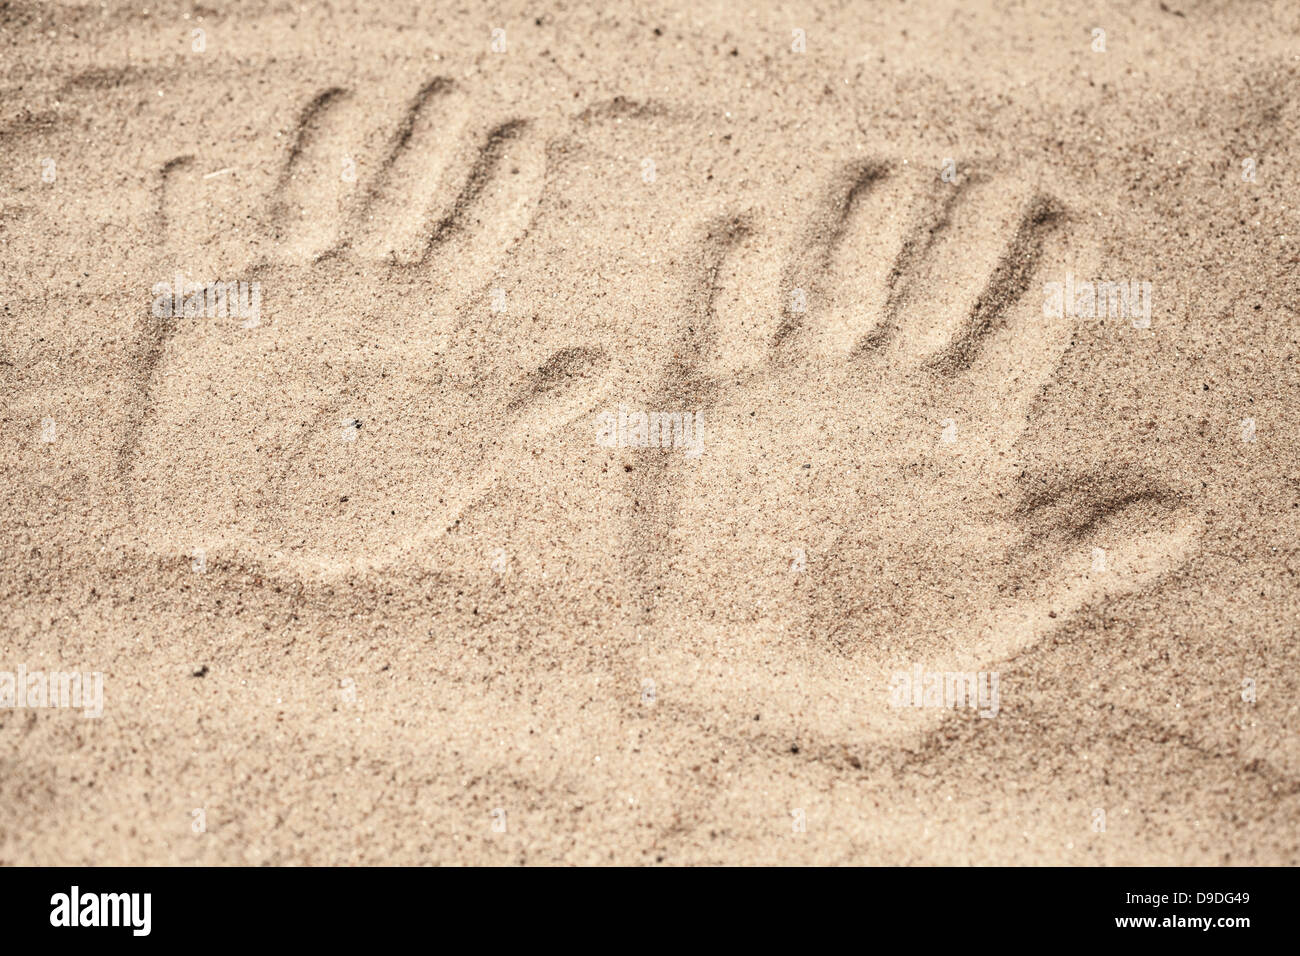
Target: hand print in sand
{"points": [[355, 418]]}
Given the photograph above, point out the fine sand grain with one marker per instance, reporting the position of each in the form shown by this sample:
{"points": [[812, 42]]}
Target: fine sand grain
{"points": [[623, 414]]}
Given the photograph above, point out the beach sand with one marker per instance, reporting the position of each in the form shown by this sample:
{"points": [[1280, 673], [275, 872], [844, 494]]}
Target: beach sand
{"points": [[384, 568]]}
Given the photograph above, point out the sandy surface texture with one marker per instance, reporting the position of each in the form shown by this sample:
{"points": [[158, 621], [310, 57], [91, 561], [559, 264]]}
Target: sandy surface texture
{"points": [[654, 433]]}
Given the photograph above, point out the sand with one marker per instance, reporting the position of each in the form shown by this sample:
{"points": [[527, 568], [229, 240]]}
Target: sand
{"points": [[385, 565]]}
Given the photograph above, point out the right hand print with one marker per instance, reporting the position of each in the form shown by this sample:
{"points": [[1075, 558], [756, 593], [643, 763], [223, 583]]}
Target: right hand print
{"points": [[914, 339]]}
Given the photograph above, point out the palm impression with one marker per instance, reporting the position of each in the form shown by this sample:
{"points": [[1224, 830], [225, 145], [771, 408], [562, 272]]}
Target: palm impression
{"points": [[906, 317], [358, 419]]}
